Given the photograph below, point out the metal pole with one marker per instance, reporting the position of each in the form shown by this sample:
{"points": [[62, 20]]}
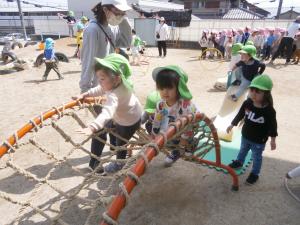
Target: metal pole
{"points": [[279, 9], [22, 19]]}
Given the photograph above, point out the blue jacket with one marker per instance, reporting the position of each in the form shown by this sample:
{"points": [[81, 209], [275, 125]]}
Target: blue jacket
{"points": [[49, 54]]}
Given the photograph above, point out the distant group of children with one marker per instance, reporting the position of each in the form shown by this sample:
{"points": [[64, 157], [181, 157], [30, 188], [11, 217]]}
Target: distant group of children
{"points": [[267, 41]]}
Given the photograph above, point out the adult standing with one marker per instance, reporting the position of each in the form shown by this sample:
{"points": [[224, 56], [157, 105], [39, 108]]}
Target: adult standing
{"points": [[70, 21], [162, 35], [109, 29], [287, 41], [109, 16]]}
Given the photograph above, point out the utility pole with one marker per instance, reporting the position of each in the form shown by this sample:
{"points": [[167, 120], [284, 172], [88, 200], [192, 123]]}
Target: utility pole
{"points": [[291, 13], [279, 9], [22, 19]]}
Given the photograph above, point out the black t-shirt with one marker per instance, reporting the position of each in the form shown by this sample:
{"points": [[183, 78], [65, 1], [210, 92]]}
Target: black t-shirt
{"points": [[260, 123], [251, 70]]}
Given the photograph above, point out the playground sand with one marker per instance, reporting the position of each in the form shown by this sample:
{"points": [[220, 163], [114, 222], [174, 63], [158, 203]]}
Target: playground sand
{"points": [[185, 194]]}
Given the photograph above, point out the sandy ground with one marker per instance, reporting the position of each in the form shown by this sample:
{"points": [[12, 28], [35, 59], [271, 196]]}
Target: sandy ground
{"points": [[185, 194]]}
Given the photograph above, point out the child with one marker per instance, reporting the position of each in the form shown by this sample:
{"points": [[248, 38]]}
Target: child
{"points": [[250, 66], [175, 102], [296, 54], [50, 59], [79, 37], [150, 106], [121, 106], [269, 45], [235, 58], [203, 43], [135, 48], [260, 123]]}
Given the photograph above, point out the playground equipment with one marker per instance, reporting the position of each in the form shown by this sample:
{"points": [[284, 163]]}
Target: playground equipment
{"points": [[293, 188], [50, 194], [208, 58], [228, 111], [58, 56], [6, 53]]}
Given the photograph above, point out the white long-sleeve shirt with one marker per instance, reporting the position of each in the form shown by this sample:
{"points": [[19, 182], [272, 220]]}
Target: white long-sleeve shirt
{"points": [[163, 31], [121, 105]]}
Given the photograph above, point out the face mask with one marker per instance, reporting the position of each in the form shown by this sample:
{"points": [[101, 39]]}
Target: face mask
{"points": [[114, 20]]}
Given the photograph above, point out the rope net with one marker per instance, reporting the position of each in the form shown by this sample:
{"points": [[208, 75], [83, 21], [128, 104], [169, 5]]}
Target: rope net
{"points": [[45, 178]]}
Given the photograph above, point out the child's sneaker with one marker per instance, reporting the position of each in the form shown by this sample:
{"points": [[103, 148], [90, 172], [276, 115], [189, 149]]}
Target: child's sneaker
{"points": [[235, 164], [113, 167], [252, 179], [233, 98], [170, 159]]}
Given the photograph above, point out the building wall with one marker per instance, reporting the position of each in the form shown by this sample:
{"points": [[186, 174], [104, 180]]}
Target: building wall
{"points": [[289, 15]]}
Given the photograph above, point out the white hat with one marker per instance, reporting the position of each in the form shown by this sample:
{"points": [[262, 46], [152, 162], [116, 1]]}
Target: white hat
{"points": [[119, 4], [162, 19]]}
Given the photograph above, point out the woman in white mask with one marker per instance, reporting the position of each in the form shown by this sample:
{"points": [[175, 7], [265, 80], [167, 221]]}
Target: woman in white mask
{"points": [[109, 30]]}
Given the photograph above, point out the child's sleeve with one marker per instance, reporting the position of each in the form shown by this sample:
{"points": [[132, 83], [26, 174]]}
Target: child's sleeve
{"points": [[273, 124], [240, 115], [96, 91], [262, 67], [107, 113], [239, 63], [188, 107], [161, 119]]}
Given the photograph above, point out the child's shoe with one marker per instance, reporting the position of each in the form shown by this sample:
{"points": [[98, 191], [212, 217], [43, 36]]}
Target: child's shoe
{"points": [[44, 78], [235, 164], [170, 159], [113, 167], [233, 98], [252, 179]]}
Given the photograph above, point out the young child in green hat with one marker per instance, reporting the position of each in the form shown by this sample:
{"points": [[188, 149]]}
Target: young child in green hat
{"points": [[121, 106], [149, 110], [175, 102], [250, 66], [260, 123]]}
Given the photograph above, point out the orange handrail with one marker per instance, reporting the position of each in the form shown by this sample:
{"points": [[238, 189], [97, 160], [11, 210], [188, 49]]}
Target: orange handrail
{"points": [[37, 120], [119, 201]]}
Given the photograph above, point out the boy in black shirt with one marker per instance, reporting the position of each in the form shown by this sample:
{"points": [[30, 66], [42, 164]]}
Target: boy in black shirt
{"points": [[251, 67], [260, 123]]}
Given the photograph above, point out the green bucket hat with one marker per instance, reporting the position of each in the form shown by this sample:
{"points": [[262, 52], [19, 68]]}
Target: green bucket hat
{"points": [[249, 43], [118, 64], [262, 82], [70, 13], [236, 48], [183, 79], [84, 18], [151, 102], [250, 50]]}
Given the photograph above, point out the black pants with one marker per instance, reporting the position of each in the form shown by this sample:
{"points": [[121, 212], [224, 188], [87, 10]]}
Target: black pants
{"points": [[124, 131], [286, 42], [162, 45], [49, 67], [267, 52], [203, 53]]}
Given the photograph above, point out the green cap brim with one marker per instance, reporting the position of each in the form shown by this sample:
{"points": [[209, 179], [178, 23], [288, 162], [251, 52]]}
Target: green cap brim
{"points": [[150, 110], [182, 87], [127, 83], [258, 87], [242, 51]]}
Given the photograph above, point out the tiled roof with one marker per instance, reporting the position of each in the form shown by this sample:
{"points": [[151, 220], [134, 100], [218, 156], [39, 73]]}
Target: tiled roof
{"points": [[241, 13]]}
